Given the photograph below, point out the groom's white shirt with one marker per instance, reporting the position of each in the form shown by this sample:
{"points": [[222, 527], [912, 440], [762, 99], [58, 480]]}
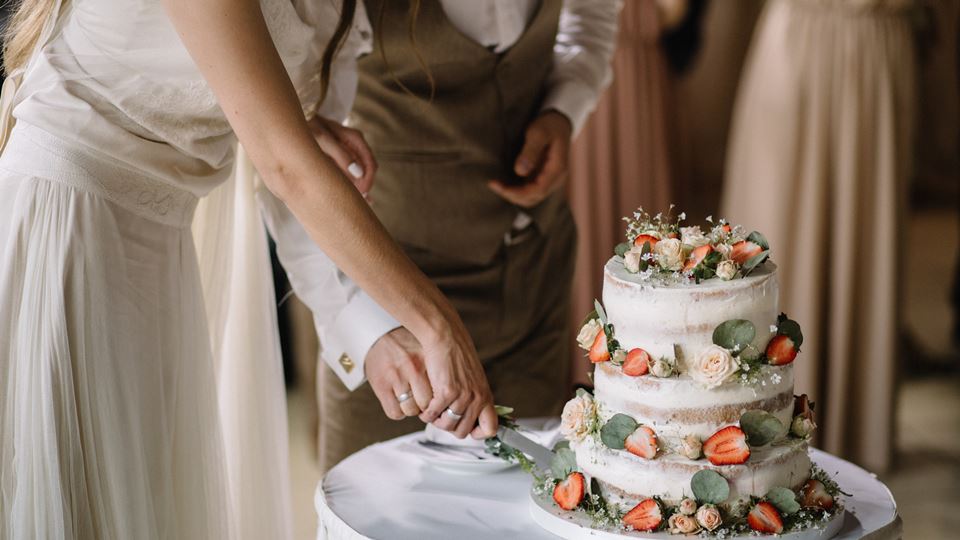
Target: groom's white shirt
{"points": [[348, 322]]}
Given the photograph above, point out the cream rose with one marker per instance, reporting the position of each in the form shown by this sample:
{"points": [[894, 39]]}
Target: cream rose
{"points": [[691, 447], [713, 366], [578, 417], [726, 270], [802, 427], [669, 254], [631, 259], [661, 368], [724, 250], [687, 507], [588, 333], [681, 524], [708, 517], [692, 236]]}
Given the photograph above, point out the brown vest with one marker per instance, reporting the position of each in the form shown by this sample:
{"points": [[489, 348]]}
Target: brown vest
{"points": [[437, 155]]}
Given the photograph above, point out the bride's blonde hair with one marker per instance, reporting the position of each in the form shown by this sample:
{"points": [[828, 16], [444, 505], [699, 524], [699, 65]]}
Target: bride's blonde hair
{"points": [[23, 31]]}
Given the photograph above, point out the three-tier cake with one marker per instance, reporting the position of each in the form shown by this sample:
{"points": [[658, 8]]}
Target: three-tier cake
{"points": [[693, 425]]}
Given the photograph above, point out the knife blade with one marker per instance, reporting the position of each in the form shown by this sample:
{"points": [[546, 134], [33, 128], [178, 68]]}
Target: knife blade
{"points": [[541, 455]]}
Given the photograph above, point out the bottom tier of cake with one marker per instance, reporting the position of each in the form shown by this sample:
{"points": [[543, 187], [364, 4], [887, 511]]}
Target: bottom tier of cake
{"points": [[626, 479]]}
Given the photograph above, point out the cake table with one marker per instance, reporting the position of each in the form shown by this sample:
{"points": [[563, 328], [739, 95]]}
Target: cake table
{"points": [[386, 492]]}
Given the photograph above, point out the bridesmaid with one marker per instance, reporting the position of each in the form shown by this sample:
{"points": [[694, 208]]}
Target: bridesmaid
{"points": [[819, 158]]}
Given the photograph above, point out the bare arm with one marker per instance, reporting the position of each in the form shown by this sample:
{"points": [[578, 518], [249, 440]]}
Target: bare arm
{"points": [[232, 47]]}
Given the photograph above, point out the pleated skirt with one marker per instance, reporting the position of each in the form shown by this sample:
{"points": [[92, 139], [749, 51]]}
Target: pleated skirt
{"points": [[108, 405]]}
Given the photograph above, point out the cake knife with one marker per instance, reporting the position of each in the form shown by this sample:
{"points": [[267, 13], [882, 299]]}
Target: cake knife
{"points": [[541, 455]]}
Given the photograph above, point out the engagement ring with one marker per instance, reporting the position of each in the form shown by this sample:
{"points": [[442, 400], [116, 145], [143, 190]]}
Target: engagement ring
{"points": [[453, 415]]}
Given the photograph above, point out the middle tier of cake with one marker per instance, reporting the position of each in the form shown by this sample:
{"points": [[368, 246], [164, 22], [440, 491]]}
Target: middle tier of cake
{"points": [[677, 407]]}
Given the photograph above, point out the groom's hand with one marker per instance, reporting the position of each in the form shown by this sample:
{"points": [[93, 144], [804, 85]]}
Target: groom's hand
{"points": [[394, 366], [348, 149], [544, 161]]}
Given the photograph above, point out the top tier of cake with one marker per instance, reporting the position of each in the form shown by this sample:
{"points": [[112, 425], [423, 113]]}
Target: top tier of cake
{"points": [[656, 315]]}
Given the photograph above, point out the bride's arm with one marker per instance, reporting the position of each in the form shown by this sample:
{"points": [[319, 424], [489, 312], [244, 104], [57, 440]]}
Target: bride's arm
{"points": [[231, 45]]}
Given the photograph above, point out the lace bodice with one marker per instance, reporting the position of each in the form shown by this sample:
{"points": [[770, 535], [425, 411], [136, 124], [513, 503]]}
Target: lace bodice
{"points": [[117, 78]]}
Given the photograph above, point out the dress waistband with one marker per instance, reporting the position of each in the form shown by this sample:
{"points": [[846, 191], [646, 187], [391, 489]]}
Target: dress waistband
{"points": [[32, 151]]}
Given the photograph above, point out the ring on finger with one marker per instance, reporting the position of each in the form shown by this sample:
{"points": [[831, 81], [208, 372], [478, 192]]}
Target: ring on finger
{"points": [[453, 415], [404, 397]]}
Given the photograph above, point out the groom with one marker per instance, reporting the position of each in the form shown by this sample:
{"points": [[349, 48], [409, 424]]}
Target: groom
{"points": [[471, 123]]}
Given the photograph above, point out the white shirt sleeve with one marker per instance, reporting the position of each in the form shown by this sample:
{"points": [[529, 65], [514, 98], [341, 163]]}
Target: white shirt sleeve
{"points": [[586, 39], [348, 322]]}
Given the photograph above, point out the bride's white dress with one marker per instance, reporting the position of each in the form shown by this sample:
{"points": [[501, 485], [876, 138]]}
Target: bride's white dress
{"points": [[109, 374]]}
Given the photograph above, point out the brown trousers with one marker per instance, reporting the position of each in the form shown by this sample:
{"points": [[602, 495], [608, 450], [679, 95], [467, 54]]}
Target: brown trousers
{"points": [[517, 310]]}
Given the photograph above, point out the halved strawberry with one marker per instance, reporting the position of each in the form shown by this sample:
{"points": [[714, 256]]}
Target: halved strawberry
{"points": [[781, 351], [743, 250], [642, 442], [697, 255], [814, 494], [598, 351], [646, 516], [765, 518], [646, 238], [727, 447], [637, 363], [569, 492]]}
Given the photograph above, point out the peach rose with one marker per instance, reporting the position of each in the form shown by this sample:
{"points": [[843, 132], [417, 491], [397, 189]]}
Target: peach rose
{"points": [[631, 259], [713, 366], [669, 254], [681, 524], [588, 333], [578, 417], [708, 517], [687, 507]]}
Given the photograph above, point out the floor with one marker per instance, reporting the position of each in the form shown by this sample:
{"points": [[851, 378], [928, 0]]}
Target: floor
{"points": [[926, 481]]}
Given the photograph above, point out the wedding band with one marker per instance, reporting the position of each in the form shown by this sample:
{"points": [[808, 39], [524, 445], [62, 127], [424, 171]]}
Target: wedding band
{"points": [[403, 397], [453, 415]]}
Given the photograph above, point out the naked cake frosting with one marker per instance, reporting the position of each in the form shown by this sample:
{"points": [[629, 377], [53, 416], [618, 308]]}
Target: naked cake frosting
{"points": [[692, 425]]}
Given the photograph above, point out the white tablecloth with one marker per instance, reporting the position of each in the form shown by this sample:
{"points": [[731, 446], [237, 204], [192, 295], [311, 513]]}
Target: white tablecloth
{"points": [[384, 492]]}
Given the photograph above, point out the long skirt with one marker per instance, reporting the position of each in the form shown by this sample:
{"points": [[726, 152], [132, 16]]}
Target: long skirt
{"points": [[818, 161], [108, 406]]}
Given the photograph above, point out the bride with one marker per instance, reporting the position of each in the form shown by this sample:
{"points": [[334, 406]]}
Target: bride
{"points": [[112, 332]]}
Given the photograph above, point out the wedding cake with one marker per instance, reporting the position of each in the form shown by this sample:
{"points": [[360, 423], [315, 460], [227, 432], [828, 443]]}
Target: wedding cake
{"points": [[693, 426]]}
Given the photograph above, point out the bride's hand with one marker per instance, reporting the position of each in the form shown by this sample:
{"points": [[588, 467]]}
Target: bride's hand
{"points": [[348, 149], [462, 401]]}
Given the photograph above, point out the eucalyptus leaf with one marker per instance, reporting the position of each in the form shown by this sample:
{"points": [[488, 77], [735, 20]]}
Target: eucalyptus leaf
{"points": [[644, 251], [709, 487], [761, 427], [622, 249], [582, 392], [561, 444], [791, 329], [784, 499], [735, 334], [753, 262], [616, 430], [601, 314], [564, 462], [759, 240]]}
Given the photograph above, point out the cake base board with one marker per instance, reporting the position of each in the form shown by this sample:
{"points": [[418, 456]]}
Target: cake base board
{"points": [[577, 525]]}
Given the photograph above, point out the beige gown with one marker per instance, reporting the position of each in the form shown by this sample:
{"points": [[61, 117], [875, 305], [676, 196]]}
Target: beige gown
{"points": [[818, 160]]}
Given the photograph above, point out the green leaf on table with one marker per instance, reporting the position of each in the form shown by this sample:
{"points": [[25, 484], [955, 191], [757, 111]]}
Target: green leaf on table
{"points": [[753, 262], [616, 430], [734, 335], [761, 427], [622, 249], [564, 462], [784, 499], [709, 487], [759, 240]]}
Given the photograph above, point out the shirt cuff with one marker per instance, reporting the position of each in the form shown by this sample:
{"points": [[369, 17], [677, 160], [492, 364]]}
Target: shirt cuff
{"points": [[574, 100], [347, 341]]}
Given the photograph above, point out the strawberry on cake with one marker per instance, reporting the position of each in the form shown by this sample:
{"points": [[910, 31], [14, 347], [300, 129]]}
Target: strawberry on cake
{"points": [[693, 426]]}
